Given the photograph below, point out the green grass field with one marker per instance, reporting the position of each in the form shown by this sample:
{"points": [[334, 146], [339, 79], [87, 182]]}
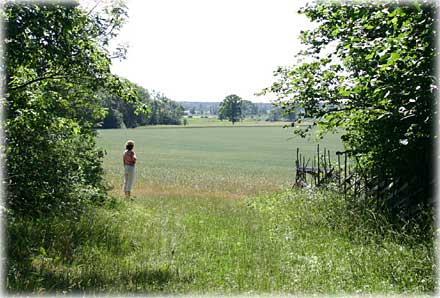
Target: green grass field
{"points": [[208, 161], [211, 215]]}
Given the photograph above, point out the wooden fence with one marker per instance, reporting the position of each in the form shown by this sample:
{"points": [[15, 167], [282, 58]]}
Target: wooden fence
{"points": [[322, 171]]}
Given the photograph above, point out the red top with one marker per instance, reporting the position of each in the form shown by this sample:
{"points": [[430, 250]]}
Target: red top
{"points": [[129, 157]]}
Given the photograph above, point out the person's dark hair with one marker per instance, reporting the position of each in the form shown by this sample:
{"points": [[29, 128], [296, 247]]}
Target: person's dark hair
{"points": [[129, 145]]}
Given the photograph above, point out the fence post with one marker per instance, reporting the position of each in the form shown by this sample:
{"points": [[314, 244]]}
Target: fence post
{"points": [[313, 170], [329, 160], [304, 169], [297, 166], [345, 175], [339, 169], [318, 166]]}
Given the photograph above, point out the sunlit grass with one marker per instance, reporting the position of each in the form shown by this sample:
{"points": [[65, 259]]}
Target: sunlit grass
{"points": [[235, 161]]}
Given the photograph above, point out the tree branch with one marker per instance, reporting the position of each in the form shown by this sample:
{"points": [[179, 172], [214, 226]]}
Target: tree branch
{"points": [[53, 76], [96, 5]]}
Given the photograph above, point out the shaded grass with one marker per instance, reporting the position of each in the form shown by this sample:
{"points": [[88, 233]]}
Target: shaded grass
{"points": [[290, 242]]}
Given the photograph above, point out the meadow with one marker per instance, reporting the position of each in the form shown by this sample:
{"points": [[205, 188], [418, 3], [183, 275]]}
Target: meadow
{"points": [[228, 162], [214, 213]]}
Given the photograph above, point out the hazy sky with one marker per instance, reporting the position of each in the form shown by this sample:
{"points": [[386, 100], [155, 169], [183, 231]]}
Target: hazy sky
{"points": [[204, 50]]}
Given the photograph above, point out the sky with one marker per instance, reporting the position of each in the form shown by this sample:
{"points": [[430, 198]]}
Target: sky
{"points": [[205, 50]]}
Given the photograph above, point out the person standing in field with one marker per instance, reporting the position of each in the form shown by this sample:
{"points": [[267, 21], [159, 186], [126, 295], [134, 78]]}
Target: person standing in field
{"points": [[129, 160]]}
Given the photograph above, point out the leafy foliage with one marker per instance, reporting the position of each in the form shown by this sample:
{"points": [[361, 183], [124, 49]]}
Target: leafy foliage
{"points": [[56, 62], [369, 70], [121, 113], [231, 108], [249, 109]]}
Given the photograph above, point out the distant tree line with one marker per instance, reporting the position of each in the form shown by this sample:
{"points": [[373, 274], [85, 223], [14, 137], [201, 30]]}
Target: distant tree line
{"points": [[254, 110], [122, 114], [233, 108]]}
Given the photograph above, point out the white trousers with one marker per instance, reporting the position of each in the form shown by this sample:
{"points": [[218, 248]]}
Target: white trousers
{"points": [[129, 173]]}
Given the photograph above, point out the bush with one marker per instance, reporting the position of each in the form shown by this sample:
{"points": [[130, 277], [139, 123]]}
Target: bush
{"points": [[52, 164]]}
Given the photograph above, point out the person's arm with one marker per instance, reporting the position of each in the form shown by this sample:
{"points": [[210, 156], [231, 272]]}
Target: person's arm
{"points": [[134, 157]]}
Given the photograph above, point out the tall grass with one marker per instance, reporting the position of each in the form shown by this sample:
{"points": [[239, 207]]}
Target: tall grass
{"points": [[290, 242]]}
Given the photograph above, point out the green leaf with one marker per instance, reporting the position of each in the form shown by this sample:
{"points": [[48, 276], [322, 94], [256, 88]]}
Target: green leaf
{"points": [[76, 130], [370, 56], [343, 92], [393, 58], [397, 12], [43, 251]]}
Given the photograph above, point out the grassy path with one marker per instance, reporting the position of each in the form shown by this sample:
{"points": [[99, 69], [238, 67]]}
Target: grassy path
{"points": [[292, 242]]}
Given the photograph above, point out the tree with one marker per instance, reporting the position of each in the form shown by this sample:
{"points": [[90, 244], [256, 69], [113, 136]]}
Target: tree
{"points": [[230, 108], [162, 110], [113, 119], [248, 108], [369, 71], [56, 65], [165, 111], [275, 114]]}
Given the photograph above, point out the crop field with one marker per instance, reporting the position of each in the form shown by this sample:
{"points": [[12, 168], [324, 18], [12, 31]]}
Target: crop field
{"points": [[227, 162]]}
